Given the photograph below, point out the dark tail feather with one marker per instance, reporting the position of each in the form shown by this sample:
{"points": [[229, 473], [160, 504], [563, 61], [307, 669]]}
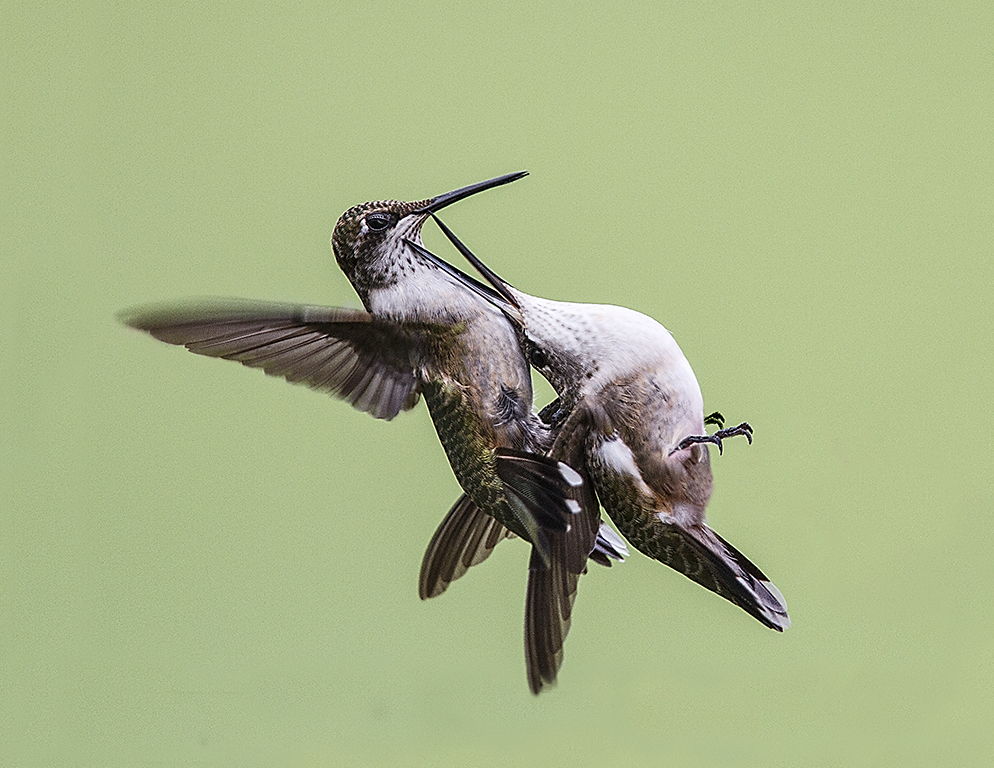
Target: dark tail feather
{"points": [[732, 575], [464, 538], [608, 546], [556, 495], [467, 536], [548, 608]]}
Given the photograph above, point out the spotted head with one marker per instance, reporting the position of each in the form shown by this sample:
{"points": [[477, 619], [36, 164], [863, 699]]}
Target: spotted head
{"points": [[371, 240]]}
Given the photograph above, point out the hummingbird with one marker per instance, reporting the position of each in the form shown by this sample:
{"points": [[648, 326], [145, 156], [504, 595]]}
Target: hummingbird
{"points": [[423, 334], [630, 416]]}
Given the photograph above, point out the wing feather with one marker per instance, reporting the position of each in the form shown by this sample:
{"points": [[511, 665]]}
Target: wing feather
{"points": [[349, 353]]}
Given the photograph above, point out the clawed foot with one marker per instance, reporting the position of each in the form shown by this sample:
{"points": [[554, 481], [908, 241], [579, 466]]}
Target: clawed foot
{"points": [[741, 429], [715, 419], [554, 415], [717, 437]]}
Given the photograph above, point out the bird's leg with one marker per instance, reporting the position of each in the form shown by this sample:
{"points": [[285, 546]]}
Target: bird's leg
{"points": [[693, 439], [716, 438], [553, 414]]}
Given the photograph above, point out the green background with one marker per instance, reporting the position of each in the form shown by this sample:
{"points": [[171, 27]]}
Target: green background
{"points": [[200, 565]]}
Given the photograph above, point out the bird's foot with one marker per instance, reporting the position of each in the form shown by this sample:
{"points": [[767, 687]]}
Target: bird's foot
{"points": [[717, 437], [553, 414], [714, 419]]}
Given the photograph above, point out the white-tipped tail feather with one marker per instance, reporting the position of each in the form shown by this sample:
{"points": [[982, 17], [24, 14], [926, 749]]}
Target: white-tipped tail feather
{"points": [[748, 586]]}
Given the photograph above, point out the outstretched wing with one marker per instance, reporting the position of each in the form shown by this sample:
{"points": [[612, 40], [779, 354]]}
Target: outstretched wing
{"points": [[349, 353]]}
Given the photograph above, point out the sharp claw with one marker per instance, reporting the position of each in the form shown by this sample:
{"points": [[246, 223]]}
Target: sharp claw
{"points": [[697, 439], [716, 419], [742, 429]]}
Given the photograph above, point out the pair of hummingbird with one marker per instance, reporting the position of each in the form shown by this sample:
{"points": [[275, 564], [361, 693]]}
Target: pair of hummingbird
{"points": [[627, 429]]}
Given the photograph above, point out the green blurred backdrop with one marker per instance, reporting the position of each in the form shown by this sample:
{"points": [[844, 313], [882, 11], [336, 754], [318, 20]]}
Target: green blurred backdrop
{"points": [[204, 566]]}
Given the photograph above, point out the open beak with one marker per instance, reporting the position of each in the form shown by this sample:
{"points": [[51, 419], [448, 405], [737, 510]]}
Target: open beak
{"points": [[508, 307], [499, 296], [498, 283], [438, 203]]}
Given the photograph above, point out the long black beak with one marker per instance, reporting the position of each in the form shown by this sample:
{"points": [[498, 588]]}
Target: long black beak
{"points": [[499, 284], [438, 203], [505, 305]]}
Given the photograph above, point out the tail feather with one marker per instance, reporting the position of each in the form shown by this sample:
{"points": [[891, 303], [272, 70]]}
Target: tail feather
{"points": [[608, 546], [563, 503], [558, 495], [465, 537], [548, 608], [729, 573], [555, 495]]}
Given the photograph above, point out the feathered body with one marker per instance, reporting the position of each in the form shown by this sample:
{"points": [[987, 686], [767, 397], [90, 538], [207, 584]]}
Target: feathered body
{"points": [[424, 334], [469, 368], [630, 414]]}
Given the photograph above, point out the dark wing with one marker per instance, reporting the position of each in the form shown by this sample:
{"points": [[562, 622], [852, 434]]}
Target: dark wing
{"points": [[703, 556], [694, 550], [465, 538], [349, 353], [563, 502]]}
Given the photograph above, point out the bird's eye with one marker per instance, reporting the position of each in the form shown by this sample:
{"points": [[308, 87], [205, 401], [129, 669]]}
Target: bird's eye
{"points": [[377, 222], [538, 358]]}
